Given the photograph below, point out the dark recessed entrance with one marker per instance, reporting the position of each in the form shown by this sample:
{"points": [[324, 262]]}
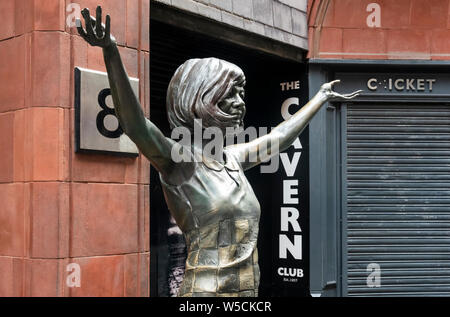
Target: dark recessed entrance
{"points": [[170, 47]]}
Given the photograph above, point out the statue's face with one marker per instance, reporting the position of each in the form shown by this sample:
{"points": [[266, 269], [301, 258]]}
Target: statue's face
{"points": [[233, 104]]}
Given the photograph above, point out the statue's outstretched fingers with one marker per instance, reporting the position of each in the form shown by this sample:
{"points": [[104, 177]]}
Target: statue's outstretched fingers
{"points": [[356, 93], [108, 27], [80, 29], [353, 95], [88, 22], [98, 23], [337, 81]]}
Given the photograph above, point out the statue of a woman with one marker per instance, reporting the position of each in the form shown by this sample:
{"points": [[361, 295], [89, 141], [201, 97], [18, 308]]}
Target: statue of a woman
{"points": [[210, 199]]}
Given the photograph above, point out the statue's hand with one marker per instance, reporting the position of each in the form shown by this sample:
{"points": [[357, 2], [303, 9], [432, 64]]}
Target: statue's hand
{"points": [[327, 90], [96, 33]]}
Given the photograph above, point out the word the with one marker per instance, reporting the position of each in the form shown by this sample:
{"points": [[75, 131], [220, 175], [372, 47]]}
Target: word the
{"points": [[291, 85]]}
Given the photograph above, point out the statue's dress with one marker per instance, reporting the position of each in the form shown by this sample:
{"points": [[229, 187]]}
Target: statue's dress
{"points": [[218, 213]]}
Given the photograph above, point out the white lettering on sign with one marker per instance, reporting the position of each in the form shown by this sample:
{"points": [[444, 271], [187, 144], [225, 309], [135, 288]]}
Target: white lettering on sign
{"points": [[290, 240], [286, 105], [290, 166], [398, 84], [401, 84], [291, 85], [290, 215], [289, 191], [290, 272], [372, 84], [294, 248]]}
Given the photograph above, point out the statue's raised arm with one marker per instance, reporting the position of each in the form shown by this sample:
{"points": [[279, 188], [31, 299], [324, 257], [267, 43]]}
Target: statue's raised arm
{"points": [[282, 136], [149, 139]]}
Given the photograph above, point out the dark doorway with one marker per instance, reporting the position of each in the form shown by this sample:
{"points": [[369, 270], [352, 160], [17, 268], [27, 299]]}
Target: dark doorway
{"points": [[170, 47]]}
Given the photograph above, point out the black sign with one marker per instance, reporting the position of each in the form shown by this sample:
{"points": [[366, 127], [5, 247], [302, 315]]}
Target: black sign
{"points": [[281, 185], [290, 191]]}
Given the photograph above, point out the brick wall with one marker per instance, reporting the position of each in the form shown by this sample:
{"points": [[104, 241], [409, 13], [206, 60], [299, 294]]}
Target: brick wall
{"points": [[58, 207], [281, 20], [410, 29]]}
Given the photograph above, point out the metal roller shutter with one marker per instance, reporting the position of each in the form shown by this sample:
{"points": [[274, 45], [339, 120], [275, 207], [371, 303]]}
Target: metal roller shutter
{"points": [[398, 199]]}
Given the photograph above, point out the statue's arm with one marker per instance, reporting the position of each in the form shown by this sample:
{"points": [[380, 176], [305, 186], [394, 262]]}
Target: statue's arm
{"points": [[149, 139], [281, 137], [147, 136]]}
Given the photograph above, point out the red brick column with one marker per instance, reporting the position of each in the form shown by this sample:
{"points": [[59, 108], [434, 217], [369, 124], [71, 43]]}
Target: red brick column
{"points": [[410, 29], [58, 207]]}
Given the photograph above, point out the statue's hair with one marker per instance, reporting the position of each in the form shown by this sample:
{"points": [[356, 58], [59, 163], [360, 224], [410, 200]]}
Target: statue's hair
{"points": [[196, 89]]}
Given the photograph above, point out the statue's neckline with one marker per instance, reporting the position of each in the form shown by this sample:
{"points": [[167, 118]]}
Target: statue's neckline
{"points": [[230, 164]]}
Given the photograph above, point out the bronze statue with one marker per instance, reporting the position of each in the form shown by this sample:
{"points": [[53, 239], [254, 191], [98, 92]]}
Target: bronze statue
{"points": [[210, 199]]}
